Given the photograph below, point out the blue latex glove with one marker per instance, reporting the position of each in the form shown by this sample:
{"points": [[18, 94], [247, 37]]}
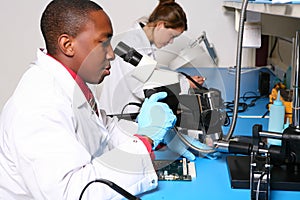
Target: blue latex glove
{"points": [[155, 118], [176, 145]]}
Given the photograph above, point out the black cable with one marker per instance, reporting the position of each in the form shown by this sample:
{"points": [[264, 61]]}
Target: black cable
{"points": [[264, 115], [243, 106], [130, 103], [273, 48], [191, 79], [229, 106], [227, 120], [278, 52], [255, 98], [112, 185], [245, 97]]}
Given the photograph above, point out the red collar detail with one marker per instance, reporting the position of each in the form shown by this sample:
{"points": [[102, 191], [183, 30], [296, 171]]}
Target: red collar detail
{"points": [[83, 86]]}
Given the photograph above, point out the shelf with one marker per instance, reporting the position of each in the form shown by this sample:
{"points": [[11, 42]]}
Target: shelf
{"points": [[286, 10]]}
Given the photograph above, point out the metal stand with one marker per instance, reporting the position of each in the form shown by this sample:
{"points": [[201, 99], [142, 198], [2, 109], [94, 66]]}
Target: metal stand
{"points": [[281, 177], [260, 176]]}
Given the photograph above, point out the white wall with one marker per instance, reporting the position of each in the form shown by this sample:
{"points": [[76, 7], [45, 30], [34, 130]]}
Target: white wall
{"points": [[20, 32], [20, 36]]}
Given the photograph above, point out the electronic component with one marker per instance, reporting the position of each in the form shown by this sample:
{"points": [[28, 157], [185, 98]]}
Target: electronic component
{"points": [[260, 176], [178, 170], [264, 83]]}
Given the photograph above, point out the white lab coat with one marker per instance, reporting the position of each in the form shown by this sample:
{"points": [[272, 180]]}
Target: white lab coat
{"points": [[119, 88], [52, 144]]}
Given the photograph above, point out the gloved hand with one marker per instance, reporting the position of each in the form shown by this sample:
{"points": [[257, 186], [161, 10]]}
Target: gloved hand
{"points": [[175, 144], [155, 118]]}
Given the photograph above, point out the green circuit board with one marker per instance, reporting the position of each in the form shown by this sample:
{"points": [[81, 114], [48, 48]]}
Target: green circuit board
{"points": [[177, 170]]}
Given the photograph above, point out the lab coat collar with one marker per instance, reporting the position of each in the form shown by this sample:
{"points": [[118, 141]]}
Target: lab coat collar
{"points": [[148, 48], [58, 71], [64, 78]]}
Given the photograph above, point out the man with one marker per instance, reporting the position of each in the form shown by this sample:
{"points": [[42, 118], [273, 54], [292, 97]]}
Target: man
{"points": [[54, 139]]}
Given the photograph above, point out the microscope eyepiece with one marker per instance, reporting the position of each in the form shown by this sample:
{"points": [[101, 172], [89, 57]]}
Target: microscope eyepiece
{"points": [[128, 54]]}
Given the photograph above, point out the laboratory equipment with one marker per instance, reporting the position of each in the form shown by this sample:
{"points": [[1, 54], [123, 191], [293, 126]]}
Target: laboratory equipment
{"points": [[276, 119], [178, 170], [266, 168], [201, 110], [192, 51], [210, 48], [263, 168]]}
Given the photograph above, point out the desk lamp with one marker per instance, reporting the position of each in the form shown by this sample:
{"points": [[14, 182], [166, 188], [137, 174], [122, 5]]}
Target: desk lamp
{"points": [[192, 51]]}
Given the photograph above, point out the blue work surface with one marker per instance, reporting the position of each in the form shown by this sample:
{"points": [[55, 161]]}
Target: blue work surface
{"points": [[212, 183], [257, 114], [213, 179]]}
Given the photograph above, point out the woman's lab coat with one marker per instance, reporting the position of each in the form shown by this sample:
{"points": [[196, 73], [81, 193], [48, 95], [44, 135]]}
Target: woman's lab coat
{"points": [[119, 88], [53, 144]]}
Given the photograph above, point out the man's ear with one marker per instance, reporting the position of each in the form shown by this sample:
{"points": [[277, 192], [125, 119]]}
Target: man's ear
{"points": [[65, 43]]}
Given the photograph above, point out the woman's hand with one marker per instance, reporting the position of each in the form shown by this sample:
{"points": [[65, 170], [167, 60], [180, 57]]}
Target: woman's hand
{"points": [[198, 79]]}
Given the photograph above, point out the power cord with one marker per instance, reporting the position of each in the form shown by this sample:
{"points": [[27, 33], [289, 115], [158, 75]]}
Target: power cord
{"points": [[112, 185], [130, 103], [242, 106], [196, 83], [127, 116]]}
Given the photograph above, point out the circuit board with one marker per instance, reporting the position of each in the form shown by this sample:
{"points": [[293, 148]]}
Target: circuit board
{"points": [[178, 170]]}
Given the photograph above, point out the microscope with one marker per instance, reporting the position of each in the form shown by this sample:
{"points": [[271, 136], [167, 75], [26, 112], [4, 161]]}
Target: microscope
{"points": [[201, 111]]}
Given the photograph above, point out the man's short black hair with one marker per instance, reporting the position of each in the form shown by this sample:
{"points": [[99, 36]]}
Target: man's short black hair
{"points": [[65, 17]]}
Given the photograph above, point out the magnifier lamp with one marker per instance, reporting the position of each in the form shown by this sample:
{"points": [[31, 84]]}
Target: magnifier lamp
{"points": [[194, 51]]}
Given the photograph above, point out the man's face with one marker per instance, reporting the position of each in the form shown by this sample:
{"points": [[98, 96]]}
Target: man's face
{"points": [[93, 48]]}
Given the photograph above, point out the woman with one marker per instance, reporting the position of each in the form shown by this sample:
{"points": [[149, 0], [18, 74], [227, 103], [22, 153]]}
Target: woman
{"points": [[166, 22]]}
